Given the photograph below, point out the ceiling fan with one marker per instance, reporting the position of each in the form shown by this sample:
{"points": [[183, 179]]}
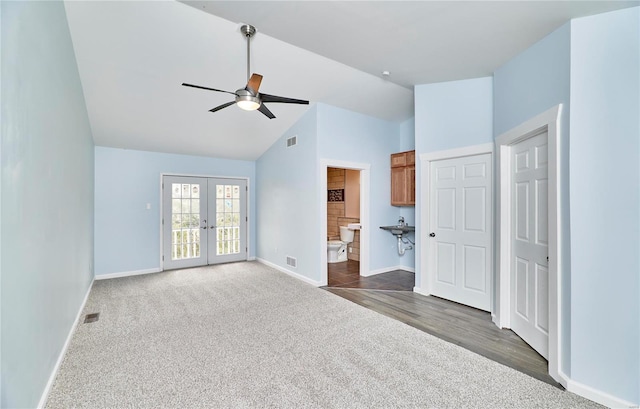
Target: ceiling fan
{"points": [[248, 98]]}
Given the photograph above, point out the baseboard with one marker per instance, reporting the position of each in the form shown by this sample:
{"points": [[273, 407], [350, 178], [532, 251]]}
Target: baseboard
{"points": [[420, 291], [596, 395], [127, 273], [56, 368], [386, 270], [289, 272], [251, 258]]}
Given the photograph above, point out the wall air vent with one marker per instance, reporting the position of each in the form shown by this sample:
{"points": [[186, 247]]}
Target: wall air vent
{"points": [[293, 141], [292, 261]]}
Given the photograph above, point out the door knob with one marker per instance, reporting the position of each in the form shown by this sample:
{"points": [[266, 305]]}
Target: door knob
{"points": [[432, 235], [204, 227], [211, 227]]}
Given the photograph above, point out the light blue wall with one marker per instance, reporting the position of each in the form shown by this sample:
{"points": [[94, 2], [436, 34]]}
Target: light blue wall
{"points": [[605, 202], [288, 187], [408, 135], [47, 196], [531, 83], [450, 115], [453, 114], [288, 202], [408, 143], [348, 136], [127, 235]]}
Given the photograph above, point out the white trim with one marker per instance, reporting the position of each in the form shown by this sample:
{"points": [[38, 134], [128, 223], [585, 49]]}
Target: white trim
{"points": [[425, 186], [63, 351], [365, 236], [387, 270], [548, 121], [458, 152], [252, 258], [127, 273], [290, 273], [419, 290], [597, 396]]}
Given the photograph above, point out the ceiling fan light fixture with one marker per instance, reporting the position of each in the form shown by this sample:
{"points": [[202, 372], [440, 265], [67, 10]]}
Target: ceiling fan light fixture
{"points": [[248, 105], [248, 102]]}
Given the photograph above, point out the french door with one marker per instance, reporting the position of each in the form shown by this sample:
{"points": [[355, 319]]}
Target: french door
{"points": [[203, 221]]}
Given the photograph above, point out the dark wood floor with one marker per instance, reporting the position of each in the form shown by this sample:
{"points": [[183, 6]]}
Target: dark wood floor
{"points": [[347, 275], [467, 327]]}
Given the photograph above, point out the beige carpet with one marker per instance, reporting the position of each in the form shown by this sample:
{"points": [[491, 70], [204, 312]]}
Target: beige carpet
{"points": [[246, 336]]}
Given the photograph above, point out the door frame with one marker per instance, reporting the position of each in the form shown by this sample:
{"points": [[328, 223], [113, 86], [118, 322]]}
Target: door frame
{"points": [[365, 184], [426, 270], [548, 121], [248, 232]]}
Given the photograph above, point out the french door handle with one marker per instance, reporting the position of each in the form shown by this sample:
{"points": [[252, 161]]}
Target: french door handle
{"points": [[204, 227], [432, 235], [211, 227]]}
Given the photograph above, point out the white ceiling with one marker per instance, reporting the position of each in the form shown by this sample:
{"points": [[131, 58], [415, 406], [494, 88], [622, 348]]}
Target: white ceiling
{"points": [[133, 56]]}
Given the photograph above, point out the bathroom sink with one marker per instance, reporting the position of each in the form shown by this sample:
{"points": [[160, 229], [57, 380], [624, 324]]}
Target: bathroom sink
{"points": [[398, 230]]}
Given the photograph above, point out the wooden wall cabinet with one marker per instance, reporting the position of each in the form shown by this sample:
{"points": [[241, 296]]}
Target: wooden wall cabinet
{"points": [[403, 179]]}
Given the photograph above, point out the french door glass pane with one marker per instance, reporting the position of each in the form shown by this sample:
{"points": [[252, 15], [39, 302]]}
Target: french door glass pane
{"points": [[185, 221], [227, 219]]}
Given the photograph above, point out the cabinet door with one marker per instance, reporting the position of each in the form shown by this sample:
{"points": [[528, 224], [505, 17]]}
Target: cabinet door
{"points": [[410, 174], [411, 158], [398, 187], [398, 159]]}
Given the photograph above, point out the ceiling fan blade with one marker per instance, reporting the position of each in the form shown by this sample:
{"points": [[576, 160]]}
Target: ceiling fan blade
{"points": [[218, 108], [207, 88], [254, 83], [266, 111], [284, 100]]}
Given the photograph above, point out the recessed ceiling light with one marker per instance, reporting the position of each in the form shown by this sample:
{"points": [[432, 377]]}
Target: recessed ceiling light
{"points": [[385, 73]]}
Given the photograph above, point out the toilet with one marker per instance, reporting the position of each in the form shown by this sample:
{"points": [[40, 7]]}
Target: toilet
{"points": [[337, 249]]}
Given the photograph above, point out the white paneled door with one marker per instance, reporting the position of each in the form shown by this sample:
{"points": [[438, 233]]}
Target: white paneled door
{"points": [[204, 221], [529, 243], [460, 240]]}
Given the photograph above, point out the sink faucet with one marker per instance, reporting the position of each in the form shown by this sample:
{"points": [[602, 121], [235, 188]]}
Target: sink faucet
{"points": [[401, 221]]}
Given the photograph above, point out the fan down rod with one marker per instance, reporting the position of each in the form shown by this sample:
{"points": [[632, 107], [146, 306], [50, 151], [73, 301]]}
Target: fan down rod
{"points": [[248, 31]]}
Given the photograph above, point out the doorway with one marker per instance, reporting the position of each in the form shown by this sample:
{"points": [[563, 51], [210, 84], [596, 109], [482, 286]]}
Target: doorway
{"points": [[325, 185], [343, 210], [204, 221], [528, 159]]}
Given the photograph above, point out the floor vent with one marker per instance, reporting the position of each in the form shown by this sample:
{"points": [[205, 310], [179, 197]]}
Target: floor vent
{"points": [[293, 141], [93, 317], [292, 262]]}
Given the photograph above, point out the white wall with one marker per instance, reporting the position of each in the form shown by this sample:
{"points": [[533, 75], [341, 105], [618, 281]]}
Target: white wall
{"points": [[127, 235], [449, 115], [47, 196], [605, 202]]}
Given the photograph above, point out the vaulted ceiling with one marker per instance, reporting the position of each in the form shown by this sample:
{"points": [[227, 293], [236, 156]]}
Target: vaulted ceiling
{"points": [[133, 56]]}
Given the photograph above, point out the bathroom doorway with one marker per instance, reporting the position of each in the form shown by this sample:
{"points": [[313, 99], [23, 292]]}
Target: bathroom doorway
{"points": [[343, 225], [345, 202]]}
